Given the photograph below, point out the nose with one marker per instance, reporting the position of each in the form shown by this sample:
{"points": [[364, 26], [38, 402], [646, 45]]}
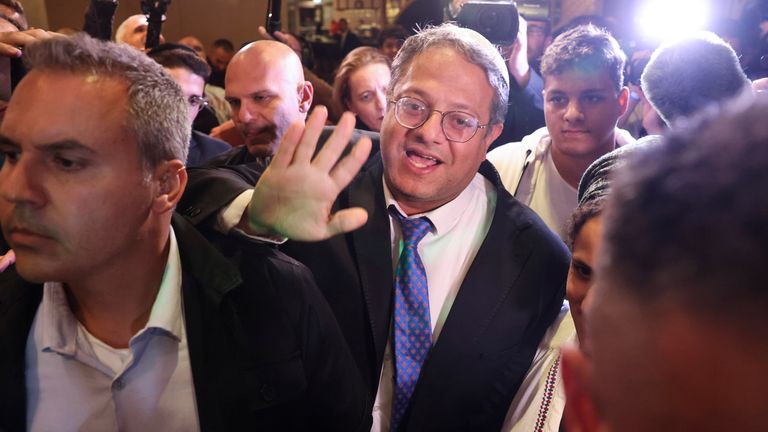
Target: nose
{"points": [[21, 184], [243, 113], [381, 102], [573, 111], [432, 129]]}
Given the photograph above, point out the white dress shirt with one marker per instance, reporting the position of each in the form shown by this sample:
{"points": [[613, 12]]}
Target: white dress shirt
{"points": [[76, 382], [447, 252]]}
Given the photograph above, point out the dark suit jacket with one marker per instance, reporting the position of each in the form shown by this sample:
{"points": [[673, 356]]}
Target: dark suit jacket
{"points": [[240, 156], [265, 351], [203, 147], [510, 295], [351, 42]]}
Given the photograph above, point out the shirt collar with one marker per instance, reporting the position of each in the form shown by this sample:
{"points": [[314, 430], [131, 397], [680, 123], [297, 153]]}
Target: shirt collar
{"points": [[445, 217], [59, 325], [166, 311]]}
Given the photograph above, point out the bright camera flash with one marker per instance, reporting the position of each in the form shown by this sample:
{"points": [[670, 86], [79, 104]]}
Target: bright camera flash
{"points": [[662, 20]]}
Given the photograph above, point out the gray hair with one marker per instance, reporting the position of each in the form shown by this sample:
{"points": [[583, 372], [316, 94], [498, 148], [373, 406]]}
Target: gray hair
{"points": [[585, 48], [472, 46], [157, 112], [688, 74]]}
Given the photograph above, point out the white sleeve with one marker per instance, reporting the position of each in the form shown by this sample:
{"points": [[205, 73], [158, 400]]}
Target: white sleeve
{"points": [[229, 217]]}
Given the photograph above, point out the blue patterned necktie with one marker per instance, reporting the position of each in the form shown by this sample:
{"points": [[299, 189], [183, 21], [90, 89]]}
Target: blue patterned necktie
{"points": [[413, 329]]}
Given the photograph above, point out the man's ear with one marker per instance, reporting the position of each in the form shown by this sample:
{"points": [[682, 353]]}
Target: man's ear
{"points": [[623, 100], [580, 414], [170, 179], [306, 92], [493, 133]]}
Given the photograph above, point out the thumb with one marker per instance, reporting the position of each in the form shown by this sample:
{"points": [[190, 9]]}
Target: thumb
{"points": [[347, 220]]}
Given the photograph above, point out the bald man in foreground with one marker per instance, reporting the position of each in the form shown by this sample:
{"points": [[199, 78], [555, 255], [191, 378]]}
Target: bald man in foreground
{"points": [[266, 89]]}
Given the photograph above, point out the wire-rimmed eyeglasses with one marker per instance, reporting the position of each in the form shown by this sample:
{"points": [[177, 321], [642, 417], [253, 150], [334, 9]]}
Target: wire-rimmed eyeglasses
{"points": [[197, 102], [458, 126]]}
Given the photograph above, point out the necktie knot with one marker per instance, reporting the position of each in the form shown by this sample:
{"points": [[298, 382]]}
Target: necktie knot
{"points": [[413, 229]]}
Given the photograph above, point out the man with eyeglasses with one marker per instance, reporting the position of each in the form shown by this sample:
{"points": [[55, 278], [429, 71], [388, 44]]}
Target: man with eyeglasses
{"points": [[190, 73], [446, 289]]}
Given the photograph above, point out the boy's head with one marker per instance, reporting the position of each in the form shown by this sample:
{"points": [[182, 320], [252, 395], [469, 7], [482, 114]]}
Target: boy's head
{"points": [[583, 92]]}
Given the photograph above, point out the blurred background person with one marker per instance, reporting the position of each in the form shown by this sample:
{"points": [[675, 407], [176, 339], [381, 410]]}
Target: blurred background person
{"points": [[217, 103], [219, 56], [641, 118], [195, 44], [686, 75], [361, 86], [391, 39], [189, 71], [346, 40], [133, 31]]}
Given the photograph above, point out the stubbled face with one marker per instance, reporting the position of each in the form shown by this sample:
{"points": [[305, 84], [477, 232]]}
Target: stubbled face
{"points": [[581, 273], [219, 58], [73, 195], [265, 96], [422, 168], [191, 86], [581, 111], [195, 44], [368, 94]]}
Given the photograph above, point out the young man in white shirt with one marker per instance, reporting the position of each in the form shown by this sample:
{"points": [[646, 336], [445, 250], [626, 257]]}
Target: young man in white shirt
{"points": [[583, 98]]}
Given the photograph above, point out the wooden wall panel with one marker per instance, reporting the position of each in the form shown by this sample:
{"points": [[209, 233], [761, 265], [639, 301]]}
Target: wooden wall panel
{"points": [[207, 19]]}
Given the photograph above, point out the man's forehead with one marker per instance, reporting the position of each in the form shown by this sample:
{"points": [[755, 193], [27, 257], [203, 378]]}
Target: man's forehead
{"points": [[581, 78], [64, 93], [424, 64]]}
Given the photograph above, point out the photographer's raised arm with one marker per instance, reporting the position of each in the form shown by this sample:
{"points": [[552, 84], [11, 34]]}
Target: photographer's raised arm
{"points": [[294, 196]]}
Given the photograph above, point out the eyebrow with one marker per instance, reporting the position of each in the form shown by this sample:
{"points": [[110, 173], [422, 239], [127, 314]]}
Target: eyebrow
{"points": [[589, 90], [56, 146], [454, 107]]}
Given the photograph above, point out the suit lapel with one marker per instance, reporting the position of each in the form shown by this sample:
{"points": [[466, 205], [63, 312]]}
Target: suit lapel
{"points": [[19, 301], [374, 258], [207, 278]]}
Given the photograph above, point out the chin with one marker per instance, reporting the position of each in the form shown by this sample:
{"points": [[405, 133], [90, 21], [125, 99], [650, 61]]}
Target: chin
{"points": [[35, 271]]}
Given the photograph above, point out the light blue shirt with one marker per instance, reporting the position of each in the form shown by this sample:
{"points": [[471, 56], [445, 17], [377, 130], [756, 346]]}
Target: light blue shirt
{"points": [[77, 383]]}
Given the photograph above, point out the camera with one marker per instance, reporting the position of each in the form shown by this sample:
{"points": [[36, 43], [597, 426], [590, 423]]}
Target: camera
{"points": [[496, 20]]}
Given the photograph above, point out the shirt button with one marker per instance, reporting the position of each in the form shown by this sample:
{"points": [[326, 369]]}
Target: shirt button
{"points": [[118, 384], [268, 392]]}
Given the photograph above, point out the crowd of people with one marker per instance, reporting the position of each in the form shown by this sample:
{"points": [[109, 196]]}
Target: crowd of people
{"points": [[450, 236]]}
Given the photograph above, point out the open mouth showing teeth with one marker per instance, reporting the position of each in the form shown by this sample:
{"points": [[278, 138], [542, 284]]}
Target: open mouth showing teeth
{"points": [[420, 160]]}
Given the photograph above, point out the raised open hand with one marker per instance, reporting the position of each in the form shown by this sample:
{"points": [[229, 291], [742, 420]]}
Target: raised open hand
{"points": [[294, 196]]}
